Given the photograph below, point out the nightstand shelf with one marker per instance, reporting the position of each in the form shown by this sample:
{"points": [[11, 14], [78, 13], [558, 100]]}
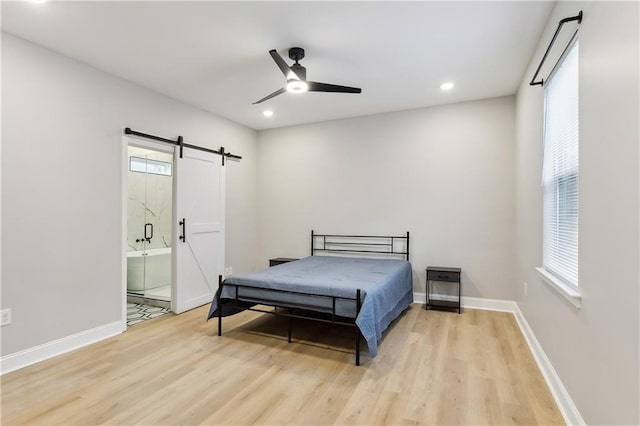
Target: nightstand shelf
{"points": [[446, 275]]}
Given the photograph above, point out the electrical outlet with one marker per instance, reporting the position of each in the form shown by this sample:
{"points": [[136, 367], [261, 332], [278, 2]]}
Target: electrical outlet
{"points": [[5, 317], [228, 271], [526, 288]]}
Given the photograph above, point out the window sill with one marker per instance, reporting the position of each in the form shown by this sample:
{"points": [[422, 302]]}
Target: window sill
{"points": [[571, 294]]}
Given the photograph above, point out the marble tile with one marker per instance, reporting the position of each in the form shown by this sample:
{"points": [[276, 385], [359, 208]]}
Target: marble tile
{"points": [[149, 201]]}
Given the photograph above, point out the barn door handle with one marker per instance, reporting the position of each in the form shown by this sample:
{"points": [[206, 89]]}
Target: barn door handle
{"points": [[183, 237], [150, 227]]}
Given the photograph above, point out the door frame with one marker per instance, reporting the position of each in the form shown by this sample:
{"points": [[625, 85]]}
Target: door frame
{"points": [[131, 140]]}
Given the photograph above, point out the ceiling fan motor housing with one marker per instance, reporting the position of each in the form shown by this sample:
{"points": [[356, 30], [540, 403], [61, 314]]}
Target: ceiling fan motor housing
{"points": [[296, 53], [300, 71]]}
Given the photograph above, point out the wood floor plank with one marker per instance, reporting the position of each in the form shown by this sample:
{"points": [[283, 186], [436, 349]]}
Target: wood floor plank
{"points": [[432, 368]]}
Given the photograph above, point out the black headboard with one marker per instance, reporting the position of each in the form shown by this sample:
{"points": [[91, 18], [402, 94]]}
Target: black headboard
{"points": [[362, 244]]}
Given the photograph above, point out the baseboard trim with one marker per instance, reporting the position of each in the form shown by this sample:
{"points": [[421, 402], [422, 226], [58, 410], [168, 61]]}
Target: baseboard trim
{"points": [[560, 394], [474, 302], [30, 356]]}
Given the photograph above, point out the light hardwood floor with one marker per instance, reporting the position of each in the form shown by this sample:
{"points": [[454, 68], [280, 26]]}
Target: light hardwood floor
{"points": [[432, 368]]}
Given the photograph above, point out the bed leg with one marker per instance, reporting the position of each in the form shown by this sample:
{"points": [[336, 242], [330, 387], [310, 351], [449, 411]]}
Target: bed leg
{"points": [[357, 346], [219, 301], [357, 329], [290, 321]]}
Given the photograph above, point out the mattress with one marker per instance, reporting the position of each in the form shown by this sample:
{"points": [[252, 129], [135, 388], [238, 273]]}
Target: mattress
{"points": [[385, 285]]}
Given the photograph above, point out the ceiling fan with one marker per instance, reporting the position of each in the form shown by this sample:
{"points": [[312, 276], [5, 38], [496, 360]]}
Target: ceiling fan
{"points": [[296, 76]]}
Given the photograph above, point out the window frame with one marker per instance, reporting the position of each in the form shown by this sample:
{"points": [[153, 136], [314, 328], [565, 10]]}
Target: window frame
{"points": [[134, 159], [556, 280]]}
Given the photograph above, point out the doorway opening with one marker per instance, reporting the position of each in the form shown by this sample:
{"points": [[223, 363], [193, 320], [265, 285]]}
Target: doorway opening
{"points": [[149, 234]]}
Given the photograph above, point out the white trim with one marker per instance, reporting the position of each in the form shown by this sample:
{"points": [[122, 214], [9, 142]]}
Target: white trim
{"points": [[571, 294], [560, 394], [473, 302], [124, 201], [499, 305], [419, 297], [173, 305], [140, 142], [24, 358]]}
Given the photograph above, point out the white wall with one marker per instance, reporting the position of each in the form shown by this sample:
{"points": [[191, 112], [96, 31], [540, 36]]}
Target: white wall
{"points": [[593, 349], [445, 174], [62, 124]]}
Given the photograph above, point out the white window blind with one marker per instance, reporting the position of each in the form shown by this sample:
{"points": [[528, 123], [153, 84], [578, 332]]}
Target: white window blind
{"points": [[560, 171]]}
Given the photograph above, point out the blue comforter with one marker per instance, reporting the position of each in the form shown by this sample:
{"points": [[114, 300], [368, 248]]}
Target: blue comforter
{"points": [[385, 284]]}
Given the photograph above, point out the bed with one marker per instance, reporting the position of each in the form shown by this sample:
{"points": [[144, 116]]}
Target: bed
{"points": [[360, 281]]}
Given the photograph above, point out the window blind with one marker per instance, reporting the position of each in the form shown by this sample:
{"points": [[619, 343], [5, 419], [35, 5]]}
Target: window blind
{"points": [[560, 170]]}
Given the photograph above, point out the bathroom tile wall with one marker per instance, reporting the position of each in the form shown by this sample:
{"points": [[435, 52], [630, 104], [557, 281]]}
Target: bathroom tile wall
{"points": [[149, 201]]}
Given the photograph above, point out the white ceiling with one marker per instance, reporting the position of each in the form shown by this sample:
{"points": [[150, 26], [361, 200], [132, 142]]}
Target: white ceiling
{"points": [[214, 55]]}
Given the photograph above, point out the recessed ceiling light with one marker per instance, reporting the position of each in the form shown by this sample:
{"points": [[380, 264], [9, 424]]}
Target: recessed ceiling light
{"points": [[446, 86], [267, 113], [37, 1]]}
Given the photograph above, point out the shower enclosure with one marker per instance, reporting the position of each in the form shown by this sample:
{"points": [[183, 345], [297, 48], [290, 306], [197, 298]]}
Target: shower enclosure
{"points": [[149, 210]]}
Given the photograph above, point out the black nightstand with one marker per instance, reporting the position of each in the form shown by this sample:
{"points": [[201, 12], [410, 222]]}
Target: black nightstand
{"points": [[445, 275], [278, 260]]}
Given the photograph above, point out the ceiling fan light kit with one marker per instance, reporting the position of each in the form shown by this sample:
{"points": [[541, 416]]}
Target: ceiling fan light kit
{"points": [[296, 76], [297, 86]]}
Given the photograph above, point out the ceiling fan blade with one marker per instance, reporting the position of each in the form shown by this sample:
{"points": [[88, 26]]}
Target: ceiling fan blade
{"points": [[286, 70], [274, 94], [314, 86]]}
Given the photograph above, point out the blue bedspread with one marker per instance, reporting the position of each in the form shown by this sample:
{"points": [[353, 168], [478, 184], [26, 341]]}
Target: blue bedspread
{"points": [[385, 284]]}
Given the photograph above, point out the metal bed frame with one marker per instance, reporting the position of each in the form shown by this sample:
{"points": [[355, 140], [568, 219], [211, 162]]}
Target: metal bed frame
{"points": [[325, 243]]}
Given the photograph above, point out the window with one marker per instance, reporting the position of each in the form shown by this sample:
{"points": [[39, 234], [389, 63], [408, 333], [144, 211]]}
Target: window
{"points": [[560, 175], [145, 165]]}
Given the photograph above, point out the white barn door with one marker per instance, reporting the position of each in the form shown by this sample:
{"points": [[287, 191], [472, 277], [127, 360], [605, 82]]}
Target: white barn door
{"points": [[199, 221]]}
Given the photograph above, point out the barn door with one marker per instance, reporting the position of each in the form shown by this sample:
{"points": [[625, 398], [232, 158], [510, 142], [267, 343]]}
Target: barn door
{"points": [[199, 228]]}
